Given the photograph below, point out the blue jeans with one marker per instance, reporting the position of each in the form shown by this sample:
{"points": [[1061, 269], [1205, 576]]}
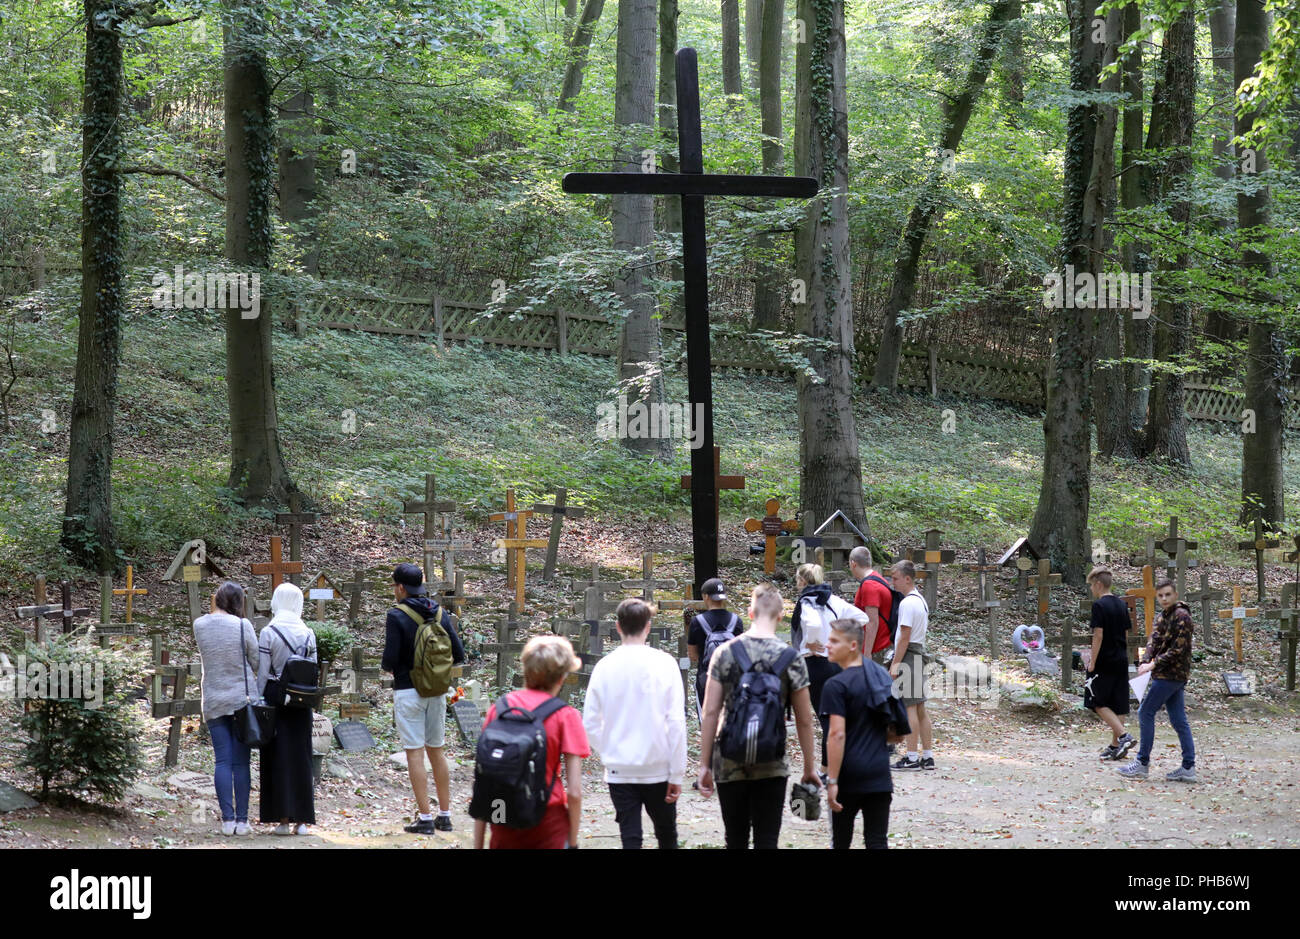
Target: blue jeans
{"points": [[1168, 695], [232, 774]]}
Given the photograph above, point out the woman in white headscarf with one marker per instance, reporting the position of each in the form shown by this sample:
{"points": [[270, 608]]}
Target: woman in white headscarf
{"points": [[287, 797]]}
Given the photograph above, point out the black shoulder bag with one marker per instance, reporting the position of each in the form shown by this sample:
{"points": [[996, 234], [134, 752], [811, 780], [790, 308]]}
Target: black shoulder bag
{"points": [[255, 720]]}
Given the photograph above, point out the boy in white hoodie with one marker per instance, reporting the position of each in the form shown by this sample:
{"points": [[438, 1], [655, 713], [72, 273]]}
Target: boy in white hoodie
{"points": [[635, 718]]}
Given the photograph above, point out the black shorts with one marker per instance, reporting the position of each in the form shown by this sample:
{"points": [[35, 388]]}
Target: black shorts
{"points": [[1107, 690]]}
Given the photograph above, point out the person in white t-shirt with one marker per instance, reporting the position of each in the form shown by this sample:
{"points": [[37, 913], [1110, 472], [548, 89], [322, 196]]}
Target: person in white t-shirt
{"points": [[907, 667], [635, 718]]}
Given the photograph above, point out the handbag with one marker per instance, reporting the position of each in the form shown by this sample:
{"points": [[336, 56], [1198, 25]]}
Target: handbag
{"points": [[255, 721]]}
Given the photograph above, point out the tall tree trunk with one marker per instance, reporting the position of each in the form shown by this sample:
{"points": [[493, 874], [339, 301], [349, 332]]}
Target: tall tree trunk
{"points": [[578, 48], [1013, 62], [768, 291], [1107, 380], [1172, 121], [570, 11], [298, 171], [1135, 256], [633, 216], [257, 468], [1220, 324], [731, 80], [1262, 484], [87, 524], [1062, 513], [753, 38], [957, 113], [830, 470], [672, 205]]}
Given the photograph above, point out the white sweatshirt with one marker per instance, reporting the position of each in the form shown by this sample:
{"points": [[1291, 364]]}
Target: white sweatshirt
{"points": [[635, 716]]}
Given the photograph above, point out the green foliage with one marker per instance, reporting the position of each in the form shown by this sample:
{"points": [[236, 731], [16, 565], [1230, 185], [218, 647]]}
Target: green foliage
{"points": [[85, 744], [332, 640]]}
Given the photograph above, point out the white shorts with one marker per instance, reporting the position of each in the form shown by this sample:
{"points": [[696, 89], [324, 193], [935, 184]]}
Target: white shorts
{"points": [[421, 722]]}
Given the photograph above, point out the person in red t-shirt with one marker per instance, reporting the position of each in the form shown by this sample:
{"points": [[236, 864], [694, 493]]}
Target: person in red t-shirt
{"points": [[547, 661], [873, 598]]}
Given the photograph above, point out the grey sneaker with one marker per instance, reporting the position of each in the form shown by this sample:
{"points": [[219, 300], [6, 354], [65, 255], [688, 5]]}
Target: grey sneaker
{"points": [[1126, 743], [1110, 753], [1134, 770], [1182, 774]]}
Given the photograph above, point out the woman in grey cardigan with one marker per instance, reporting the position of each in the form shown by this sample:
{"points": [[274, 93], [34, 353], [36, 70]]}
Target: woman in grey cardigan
{"points": [[228, 651]]}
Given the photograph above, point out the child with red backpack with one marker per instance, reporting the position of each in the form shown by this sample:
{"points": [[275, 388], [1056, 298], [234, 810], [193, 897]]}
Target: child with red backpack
{"points": [[518, 792]]}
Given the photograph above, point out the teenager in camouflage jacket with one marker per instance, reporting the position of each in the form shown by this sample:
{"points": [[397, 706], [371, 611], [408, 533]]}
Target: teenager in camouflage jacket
{"points": [[1170, 645]]}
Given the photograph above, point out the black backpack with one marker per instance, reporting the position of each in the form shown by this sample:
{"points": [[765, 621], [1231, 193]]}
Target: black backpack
{"points": [[299, 678], [714, 638], [510, 785], [754, 731], [896, 600]]}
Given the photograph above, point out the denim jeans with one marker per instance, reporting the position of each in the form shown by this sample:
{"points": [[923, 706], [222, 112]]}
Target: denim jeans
{"points": [[232, 773], [1169, 695]]}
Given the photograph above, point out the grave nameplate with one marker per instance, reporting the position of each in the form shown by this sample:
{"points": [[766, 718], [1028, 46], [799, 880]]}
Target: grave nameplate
{"points": [[1238, 683], [353, 736], [468, 720]]}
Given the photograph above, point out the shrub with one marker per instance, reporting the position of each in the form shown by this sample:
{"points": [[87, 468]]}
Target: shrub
{"points": [[332, 640]]}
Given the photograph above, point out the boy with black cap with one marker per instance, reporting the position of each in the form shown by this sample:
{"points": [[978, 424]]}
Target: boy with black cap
{"points": [[710, 628], [421, 721]]}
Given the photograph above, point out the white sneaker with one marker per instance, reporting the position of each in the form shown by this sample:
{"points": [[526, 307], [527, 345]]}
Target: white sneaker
{"points": [[301, 830], [227, 828], [241, 828], [285, 829]]}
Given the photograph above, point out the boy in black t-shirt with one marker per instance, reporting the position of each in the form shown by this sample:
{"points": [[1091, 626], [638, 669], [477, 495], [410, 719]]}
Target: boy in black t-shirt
{"points": [[1106, 690], [865, 716], [714, 619]]}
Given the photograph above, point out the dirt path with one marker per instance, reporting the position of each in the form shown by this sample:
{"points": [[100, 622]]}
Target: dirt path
{"points": [[1007, 777]]}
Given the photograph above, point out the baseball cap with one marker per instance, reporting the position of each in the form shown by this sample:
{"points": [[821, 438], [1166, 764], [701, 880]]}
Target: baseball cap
{"points": [[713, 588], [411, 577]]}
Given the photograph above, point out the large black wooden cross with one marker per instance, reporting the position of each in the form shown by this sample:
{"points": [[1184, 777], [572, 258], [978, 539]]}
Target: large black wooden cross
{"points": [[692, 184]]}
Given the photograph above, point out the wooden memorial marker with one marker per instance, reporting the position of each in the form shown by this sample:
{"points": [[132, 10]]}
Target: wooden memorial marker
{"points": [[43, 609], [772, 526], [1044, 581], [66, 611], [296, 519], [352, 705], [1147, 594], [191, 564], [322, 590], [804, 541], [277, 567], [1145, 560], [516, 544], [987, 598], [447, 546], [106, 627], [719, 482], [559, 511], [1260, 545], [647, 584], [578, 633], [433, 512], [687, 603], [355, 588], [1206, 596], [456, 598], [1238, 615], [1021, 556], [130, 591], [1288, 617], [839, 536], [178, 707], [507, 646], [694, 186], [1177, 547], [932, 558]]}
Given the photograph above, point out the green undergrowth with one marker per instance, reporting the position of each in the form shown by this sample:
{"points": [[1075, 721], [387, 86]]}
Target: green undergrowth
{"points": [[484, 418]]}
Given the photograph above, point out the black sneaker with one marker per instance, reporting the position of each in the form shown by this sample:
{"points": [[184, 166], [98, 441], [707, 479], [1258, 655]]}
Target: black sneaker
{"points": [[1110, 753], [927, 762], [907, 763], [421, 827], [442, 823], [1126, 743]]}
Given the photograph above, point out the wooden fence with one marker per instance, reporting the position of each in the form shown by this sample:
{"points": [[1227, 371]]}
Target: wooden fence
{"points": [[444, 320]]}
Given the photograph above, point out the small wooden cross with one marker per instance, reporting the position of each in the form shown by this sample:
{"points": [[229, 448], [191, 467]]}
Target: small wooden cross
{"points": [[322, 590], [430, 508], [772, 526], [1145, 560], [66, 611], [647, 584], [454, 599], [178, 707], [43, 609], [1147, 594], [1288, 617], [987, 598], [1177, 547], [932, 558], [1238, 615], [578, 633], [719, 481], [352, 704], [355, 588], [190, 565], [516, 544], [800, 544], [688, 602], [1020, 556], [448, 546], [1045, 580], [1206, 596], [277, 567], [593, 607], [296, 519], [559, 511], [1260, 545], [130, 592], [507, 646]]}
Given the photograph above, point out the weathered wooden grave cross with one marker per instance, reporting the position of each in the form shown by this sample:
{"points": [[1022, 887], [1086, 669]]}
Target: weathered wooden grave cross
{"points": [[454, 598], [772, 526], [42, 609], [1020, 556], [693, 186], [1206, 596], [130, 591], [1147, 594], [559, 511], [322, 590], [1288, 620], [191, 564], [1045, 580], [1238, 615], [516, 544], [355, 588], [932, 558], [277, 567], [648, 585], [1177, 547], [507, 647], [430, 508], [987, 598], [296, 519], [1260, 545]]}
